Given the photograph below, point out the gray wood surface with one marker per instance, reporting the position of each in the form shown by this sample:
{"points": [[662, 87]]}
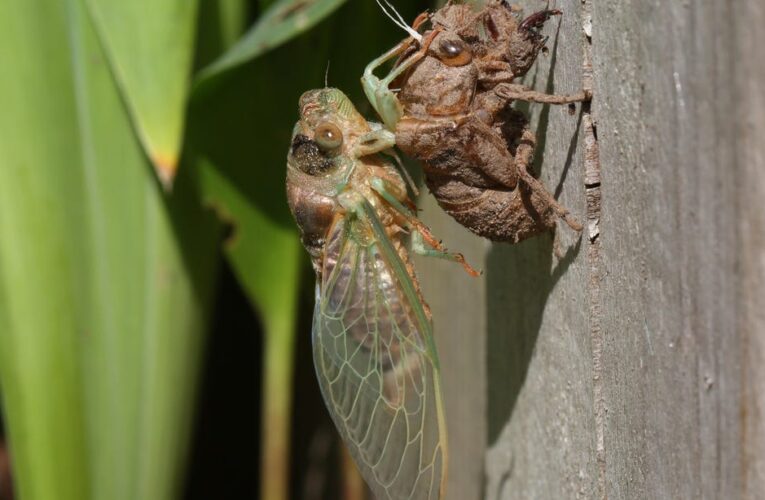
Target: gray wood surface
{"points": [[634, 367], [750, 185]]}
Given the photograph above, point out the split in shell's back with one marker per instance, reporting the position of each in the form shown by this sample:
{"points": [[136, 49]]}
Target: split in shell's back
{"points": [[374, 352]]}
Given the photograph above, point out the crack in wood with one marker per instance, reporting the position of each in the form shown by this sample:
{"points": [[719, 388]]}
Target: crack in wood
{"points": [[593, 196]]}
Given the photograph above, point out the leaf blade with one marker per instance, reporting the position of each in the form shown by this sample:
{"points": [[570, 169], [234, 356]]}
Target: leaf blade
{"points": [[104, 283], [283, 21], [150, 47]]}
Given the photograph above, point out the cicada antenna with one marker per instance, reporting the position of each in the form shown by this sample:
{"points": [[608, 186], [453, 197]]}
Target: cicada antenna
{"points": [[326, 75], [397, 19]]}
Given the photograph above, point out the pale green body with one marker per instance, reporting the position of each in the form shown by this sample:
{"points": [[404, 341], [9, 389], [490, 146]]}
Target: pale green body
{"points": [[374, 350]]}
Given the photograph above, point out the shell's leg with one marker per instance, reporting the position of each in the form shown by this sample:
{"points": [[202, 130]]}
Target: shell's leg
{"points": [[523, 157], [492, 154], [516, 92]]}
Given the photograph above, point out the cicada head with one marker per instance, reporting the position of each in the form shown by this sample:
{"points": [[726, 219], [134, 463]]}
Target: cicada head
{"points": [[319, 160]]}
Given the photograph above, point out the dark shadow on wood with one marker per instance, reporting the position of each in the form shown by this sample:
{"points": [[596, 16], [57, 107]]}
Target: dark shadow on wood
{"points": [[519, 281], [569, 155]]}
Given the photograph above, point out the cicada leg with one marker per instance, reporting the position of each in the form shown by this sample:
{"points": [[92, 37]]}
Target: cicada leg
{"points": [[419, 240], [410, 184], [376, 141], [421, 235], [518, 92], [383, 99], [420, 20], [523, 157]]}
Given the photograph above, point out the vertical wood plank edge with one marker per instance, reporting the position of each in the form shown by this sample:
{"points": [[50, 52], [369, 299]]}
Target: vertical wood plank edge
{"points": [[593, 197]]}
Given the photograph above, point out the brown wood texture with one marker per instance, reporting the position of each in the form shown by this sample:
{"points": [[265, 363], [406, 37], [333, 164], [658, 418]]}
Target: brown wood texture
{"points": [[633, 367]]}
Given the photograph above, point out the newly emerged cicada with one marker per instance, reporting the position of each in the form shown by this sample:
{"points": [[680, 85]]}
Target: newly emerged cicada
{"points": [[373, 344], [448, 100]]}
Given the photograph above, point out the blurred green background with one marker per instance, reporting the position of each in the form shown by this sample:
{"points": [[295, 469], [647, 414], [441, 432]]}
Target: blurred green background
{"points": [[154, 299]]}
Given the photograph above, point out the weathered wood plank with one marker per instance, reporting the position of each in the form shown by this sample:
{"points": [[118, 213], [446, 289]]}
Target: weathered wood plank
{"points": [[515, 343], [670, 375], [541, 428], [634, 367], [749, 18]]}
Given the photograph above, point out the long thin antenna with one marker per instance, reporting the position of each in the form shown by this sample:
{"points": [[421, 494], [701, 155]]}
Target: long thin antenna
{"points": [[397, 19], [326, 75]]}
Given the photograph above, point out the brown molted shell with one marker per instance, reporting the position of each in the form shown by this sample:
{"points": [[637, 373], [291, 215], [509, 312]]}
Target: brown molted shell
{"points": [[499, 215], [466, 134]]}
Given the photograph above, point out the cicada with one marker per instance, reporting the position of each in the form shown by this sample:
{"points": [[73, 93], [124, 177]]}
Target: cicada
{"points": [[451, 110], [373, 345]]}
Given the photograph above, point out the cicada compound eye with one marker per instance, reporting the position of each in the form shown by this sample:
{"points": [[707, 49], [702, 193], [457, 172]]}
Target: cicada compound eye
{"points": [[328, 136], [454, 52]]}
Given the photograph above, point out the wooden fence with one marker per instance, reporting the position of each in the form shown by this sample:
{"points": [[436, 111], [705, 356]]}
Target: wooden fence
{"points": [[634, 367]]}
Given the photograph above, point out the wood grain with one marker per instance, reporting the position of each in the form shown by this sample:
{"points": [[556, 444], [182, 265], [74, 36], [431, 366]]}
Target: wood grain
{"points": [[635, 366], [749, 19]]}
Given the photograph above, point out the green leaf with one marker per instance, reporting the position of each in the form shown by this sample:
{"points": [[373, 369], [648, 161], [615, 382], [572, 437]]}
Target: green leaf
{"points": [[150, 46], [282, 21], [105, 283]]}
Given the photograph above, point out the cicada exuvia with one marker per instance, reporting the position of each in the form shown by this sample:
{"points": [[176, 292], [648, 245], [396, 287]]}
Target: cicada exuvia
{"points": [[449, 101], [373, 344]]}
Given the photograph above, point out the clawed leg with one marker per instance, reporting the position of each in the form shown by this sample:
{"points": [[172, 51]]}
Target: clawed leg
{"points": [[423, 243], [494, 156], [421, 235], [420, 20], [377, 90], [395, 197], [517, 92], [523, 157], [376, 141], [401, 68]]}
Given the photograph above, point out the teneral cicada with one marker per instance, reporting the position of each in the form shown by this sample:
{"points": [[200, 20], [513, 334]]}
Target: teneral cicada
{"points": [[448, 100], [374, 351]]}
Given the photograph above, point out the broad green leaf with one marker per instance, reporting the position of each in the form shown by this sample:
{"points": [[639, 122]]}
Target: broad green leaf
{"points": [[281, 22], [150, 46], [104, 282]]}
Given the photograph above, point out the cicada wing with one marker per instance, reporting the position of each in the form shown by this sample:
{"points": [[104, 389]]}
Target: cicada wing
{"points": [[376, 363]]}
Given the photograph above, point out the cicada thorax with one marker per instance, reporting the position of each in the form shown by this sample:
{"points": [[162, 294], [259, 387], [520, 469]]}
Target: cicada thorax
{"points": [[435, 89]]}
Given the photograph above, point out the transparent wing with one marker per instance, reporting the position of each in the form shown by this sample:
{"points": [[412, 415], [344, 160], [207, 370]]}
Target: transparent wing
{"points": [[376, 362]]}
